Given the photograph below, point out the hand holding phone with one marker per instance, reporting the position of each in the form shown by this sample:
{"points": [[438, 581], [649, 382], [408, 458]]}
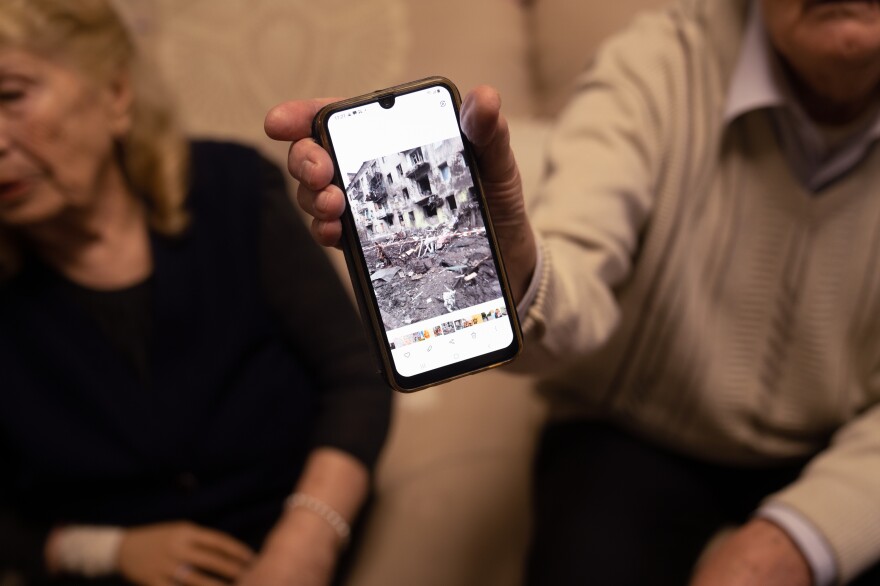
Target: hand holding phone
{"points": [[483, 124], [442, 307]]}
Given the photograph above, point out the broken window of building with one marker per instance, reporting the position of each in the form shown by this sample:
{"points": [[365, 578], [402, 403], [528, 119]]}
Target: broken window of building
{"points": [[444, 171], [378, 190], [424, 185]]}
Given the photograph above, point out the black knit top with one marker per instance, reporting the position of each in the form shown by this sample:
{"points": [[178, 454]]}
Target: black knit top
{"points": [[195, 395]]}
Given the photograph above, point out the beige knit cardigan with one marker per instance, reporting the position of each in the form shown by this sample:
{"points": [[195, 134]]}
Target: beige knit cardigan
{"points": [[695, 292]]}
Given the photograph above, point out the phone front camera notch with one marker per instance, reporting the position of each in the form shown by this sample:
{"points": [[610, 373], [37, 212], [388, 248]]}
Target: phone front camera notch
{"points": [[387, 101]]}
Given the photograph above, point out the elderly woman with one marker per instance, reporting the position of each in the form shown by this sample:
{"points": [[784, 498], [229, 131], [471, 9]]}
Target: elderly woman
{"points": [[186, 397], [704, 301]]}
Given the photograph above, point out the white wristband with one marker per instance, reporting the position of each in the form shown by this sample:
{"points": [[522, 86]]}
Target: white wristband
{"points": [[323, 510], [88, 551]]}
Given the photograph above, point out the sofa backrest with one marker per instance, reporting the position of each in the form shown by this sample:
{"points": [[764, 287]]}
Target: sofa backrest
{"points": [[565, 35], [229, 61]]}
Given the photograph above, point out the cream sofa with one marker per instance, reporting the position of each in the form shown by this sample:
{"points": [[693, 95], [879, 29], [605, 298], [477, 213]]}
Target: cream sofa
{"points": [[452, 486]]}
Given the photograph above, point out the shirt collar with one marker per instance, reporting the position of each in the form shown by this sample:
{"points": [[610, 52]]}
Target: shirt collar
{"points": [[759, 84], [754, 85]]}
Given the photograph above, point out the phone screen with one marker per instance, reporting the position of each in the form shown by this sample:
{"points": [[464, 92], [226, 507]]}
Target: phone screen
{"points": [[422, 230]]}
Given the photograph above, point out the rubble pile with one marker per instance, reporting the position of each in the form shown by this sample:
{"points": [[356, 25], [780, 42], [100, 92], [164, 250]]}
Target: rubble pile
{"points": [[429, 273]]}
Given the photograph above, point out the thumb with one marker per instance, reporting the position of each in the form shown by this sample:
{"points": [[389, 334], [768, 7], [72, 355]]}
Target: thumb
{"points": [[487, 130]]}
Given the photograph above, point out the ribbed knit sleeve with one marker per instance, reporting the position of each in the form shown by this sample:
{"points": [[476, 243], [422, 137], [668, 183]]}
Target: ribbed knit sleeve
{"points": [[603, 159], [622, 143], [354, 405]]}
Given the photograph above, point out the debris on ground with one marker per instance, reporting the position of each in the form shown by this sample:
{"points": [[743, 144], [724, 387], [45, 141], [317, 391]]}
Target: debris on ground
{"points": [[430, 273]]}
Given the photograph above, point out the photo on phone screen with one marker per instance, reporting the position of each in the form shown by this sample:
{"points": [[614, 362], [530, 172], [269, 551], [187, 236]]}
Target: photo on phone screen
{"points": [[417, 210]]}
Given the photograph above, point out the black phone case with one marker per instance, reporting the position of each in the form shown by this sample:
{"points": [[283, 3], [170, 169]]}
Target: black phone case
{"points": [[356, 263]]}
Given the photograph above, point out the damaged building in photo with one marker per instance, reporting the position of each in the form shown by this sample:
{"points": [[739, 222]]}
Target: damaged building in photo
{"points": [[419, 222], [416, 189]]}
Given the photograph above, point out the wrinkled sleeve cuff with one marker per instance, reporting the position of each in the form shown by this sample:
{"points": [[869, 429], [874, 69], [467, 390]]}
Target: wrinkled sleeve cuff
{"points": [[808, 539]]}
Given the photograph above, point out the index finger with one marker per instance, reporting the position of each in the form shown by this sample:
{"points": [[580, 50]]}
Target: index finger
{"points": [[293, 120]]}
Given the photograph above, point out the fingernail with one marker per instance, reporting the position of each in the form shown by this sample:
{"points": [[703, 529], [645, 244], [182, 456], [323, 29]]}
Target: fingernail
{"points": [[305, 171]]}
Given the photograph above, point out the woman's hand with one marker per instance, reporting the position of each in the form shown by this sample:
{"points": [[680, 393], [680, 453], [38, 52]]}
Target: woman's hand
{"points": [[485, 127], [182, 554], [303, 546], [300, 551]]}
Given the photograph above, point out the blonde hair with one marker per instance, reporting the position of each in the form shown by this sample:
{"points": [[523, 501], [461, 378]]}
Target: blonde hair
{"points": [[91, 36]]}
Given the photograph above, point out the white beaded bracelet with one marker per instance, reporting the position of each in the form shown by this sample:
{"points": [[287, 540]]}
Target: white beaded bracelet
{"points": [[323, 510], [89, 551]]}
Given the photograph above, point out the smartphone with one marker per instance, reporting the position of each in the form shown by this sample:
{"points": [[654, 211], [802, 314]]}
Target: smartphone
{"points": [[417, 235]]}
